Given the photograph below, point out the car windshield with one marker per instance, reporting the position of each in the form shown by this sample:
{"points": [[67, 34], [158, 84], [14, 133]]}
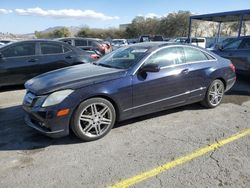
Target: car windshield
{"points": [[123, 58]]}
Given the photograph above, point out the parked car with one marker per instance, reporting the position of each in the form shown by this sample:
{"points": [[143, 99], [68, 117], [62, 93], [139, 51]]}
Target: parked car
{"points": [[222, 42], [238, 51], [23, 60], [157, 38], [198, 41], [145, 38], [132, 40], [6, 41], [90, 44], [131, 81], [117, 43]]}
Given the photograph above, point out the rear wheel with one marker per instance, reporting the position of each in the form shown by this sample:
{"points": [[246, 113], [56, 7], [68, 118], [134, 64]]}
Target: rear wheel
{"points": [[93, 119], [214, 94]]}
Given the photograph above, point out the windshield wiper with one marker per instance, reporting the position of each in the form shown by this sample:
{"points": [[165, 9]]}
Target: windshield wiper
{"points": [[105, 65]]}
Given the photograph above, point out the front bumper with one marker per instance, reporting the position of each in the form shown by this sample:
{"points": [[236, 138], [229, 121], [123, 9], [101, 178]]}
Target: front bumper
{"points": [[46, 122]]}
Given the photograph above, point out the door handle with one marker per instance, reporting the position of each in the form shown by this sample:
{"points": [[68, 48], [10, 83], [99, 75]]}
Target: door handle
{"points": [[185, 71], [32, 60], [69, 57]]}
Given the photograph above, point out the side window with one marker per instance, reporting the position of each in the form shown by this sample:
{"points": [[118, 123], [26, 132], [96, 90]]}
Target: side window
{"points": [[233, 45], [51, 48], [245, 44], [90, 43], [80, 43], [167, 57], [193, 55], [26, 49]]}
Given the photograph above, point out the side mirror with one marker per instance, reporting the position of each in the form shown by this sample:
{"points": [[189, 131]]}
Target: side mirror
{"points": [[150, 68]]}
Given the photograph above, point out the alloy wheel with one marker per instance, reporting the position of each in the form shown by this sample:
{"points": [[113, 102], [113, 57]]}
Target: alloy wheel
{"points": [[216, 93], [95, 119]]}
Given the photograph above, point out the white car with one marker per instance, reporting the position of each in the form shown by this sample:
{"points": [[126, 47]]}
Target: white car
{"points": [[117, 43]]}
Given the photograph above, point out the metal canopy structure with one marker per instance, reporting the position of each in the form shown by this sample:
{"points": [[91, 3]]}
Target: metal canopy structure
{"points": [[222, 17]]}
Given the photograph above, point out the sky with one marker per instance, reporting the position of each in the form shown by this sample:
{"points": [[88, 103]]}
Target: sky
{"points": [[26, 16]]}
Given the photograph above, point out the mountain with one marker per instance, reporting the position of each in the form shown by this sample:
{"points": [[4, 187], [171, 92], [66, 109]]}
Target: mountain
{"points": [[73, 29]]}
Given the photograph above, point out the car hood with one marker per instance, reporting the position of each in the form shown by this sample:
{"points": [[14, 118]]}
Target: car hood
{"points": [[73, 77]]}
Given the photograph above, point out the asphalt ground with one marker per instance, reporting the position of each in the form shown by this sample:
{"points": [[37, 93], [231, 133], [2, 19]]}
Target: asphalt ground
{"points": [[143, 147]]}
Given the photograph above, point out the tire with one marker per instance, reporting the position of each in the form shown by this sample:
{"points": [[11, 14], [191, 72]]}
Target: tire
{"points": [[93, 119], [214, 94]]}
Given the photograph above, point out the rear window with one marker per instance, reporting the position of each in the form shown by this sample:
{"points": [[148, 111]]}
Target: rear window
{"points": [[81, 43], [193, 55], [51, 48], [26, 49]]}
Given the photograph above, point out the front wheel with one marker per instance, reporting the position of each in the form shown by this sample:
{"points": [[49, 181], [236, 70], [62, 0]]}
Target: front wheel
{"points": [[214, 94], [93, 119]]}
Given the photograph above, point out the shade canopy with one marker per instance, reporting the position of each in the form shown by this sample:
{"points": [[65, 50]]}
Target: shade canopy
{"points": [[222, 17], [232, 16]]}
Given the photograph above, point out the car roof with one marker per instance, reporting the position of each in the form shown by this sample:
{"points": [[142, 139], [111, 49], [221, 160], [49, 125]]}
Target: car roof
{"points": [[155, 45], [34, 40], [72, 38], [152, 44], [37, 40]]}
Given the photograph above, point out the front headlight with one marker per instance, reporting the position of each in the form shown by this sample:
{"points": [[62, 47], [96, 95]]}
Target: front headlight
{"points": [[56, 97]]}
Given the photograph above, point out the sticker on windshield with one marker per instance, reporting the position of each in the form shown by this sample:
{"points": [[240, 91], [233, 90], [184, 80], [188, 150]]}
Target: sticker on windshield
{"points": [[139, 51]]}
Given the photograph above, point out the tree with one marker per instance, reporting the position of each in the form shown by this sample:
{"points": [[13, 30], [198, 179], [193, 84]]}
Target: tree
{"points": [[62, 32]]}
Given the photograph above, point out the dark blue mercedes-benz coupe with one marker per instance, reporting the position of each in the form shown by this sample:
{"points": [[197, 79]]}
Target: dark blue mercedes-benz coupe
{"points": [[132, 81]]}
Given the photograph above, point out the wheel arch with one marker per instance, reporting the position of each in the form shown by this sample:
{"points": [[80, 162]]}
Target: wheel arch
{"points": [[108, 98], [223, 81]]}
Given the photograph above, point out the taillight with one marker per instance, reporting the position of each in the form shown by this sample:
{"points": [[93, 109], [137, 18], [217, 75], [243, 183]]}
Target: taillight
{"points": [[232, 67], [94, 56]]}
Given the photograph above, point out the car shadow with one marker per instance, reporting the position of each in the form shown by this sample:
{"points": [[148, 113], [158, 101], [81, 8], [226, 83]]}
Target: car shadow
{"points": [[240, 92], [15, 135], [11, 88]]}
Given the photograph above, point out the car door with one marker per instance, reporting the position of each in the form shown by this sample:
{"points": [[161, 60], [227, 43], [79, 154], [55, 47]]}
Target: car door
{"points": [[199, 62], [154, 91], [53, 56], [238, 52], [241, 57], [19, 62]]}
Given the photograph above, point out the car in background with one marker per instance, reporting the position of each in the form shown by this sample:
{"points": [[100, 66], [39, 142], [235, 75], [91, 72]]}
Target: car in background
{"points": [[20, 61], [129, 82], [197, 41], [90, 44], [117, 43], [238, 51], [132, 40], [6, 41], [157, 38], [221, 43], [145, 38]]}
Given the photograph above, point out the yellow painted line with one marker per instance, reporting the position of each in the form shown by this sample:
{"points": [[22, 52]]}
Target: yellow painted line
{"points": [[151, 173]]}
